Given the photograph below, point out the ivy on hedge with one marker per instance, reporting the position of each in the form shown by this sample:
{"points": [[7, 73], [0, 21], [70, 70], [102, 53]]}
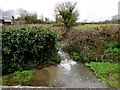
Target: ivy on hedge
{"points": [[27, 46]]}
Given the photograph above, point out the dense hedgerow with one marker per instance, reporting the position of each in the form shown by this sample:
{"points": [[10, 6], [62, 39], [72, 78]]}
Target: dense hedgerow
{"points": [[99, 44], [27, 46]]}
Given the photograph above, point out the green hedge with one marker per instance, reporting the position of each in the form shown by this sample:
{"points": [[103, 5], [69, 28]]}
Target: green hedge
{"points": [[84, 52], [27, 46]]}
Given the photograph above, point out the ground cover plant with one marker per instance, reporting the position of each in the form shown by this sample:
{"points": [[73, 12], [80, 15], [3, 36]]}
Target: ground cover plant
{"points": [[27, 46], [108, 72], [18, 78]]}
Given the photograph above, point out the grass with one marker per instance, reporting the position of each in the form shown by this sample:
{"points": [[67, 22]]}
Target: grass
{"points": [[18, 78], [92, 25], [85, 26], [108, 72]]}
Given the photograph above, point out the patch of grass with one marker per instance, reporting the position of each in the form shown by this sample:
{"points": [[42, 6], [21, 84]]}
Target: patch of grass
{"points": [[108, 72], [85, 26], [92, 25], [4, 80], [18, 78]]}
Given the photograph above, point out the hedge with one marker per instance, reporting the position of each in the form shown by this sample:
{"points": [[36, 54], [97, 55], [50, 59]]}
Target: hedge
{"points": [[27, 46]]}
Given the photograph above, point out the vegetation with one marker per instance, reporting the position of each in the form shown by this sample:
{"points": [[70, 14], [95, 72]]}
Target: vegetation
{"points": [[27, 46], [26, 16], [98, 44], [89, 26], [66, 13], [18, 78], [108, 72], [99, 47]]}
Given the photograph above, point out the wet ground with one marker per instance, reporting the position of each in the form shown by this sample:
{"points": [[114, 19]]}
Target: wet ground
{"points": [[67, 74]]}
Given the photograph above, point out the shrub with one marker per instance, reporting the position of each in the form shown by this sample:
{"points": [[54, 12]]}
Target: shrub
{"points": [[97, 44], [112, 51], [27, 46], [82, 52]]}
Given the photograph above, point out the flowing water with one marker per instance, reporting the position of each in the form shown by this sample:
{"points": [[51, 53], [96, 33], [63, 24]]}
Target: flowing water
{"points": [[68, 73]]}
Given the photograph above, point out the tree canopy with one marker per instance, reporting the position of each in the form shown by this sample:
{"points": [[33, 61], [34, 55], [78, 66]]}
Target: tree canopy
{"points": [[66, 13]]}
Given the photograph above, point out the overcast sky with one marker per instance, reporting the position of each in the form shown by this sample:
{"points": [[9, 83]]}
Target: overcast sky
{"points": [[91, 10]]}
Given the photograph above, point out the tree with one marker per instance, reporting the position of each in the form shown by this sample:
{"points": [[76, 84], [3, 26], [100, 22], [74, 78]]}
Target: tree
{"points": [[22, 14], [27, 16], [31, 18], [47, 19], [66, 13]]}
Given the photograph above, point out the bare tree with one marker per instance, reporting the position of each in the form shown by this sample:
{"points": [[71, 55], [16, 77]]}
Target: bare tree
{"points": [[23, 12], [27, 16]]}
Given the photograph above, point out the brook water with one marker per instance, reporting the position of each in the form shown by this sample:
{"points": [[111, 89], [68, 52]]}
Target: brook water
{"points": [[68, 73]]}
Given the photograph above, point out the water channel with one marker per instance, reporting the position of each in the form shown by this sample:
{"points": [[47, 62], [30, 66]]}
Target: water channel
{"points": [[68, 73]]}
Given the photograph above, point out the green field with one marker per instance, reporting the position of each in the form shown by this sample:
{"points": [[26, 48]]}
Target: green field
{"points": [[92, 25]]}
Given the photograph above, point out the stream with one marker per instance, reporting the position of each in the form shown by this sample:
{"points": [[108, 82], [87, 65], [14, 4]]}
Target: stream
{"points": [[68, 73]]}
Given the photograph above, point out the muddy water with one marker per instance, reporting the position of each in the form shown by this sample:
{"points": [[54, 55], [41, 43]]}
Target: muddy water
{"points": [[67, 74]]}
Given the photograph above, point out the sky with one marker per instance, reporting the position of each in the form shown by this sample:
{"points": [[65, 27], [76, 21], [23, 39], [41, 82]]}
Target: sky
{"points": [[90, 10]]}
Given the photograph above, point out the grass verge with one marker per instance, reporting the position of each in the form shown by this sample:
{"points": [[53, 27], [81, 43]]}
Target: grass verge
{"points": [[108, 72], [17, 78], [92, 25]]}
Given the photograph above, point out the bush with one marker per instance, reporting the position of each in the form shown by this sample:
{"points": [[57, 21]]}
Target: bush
{"points": [[99, 44], [112, 51], [27, 46], [82, 52]]}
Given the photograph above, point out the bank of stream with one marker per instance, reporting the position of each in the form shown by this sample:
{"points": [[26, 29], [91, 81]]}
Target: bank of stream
{"points": [[68, 73]]}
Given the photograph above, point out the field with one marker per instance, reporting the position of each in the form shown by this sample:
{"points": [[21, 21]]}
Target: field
{"points": [[92, 25]]}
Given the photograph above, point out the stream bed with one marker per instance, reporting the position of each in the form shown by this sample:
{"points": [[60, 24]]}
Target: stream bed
{"points": [[68, 73]]}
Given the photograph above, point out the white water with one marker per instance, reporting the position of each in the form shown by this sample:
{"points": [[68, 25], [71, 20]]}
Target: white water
{"points": [[68, 73], [75, 74]]}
